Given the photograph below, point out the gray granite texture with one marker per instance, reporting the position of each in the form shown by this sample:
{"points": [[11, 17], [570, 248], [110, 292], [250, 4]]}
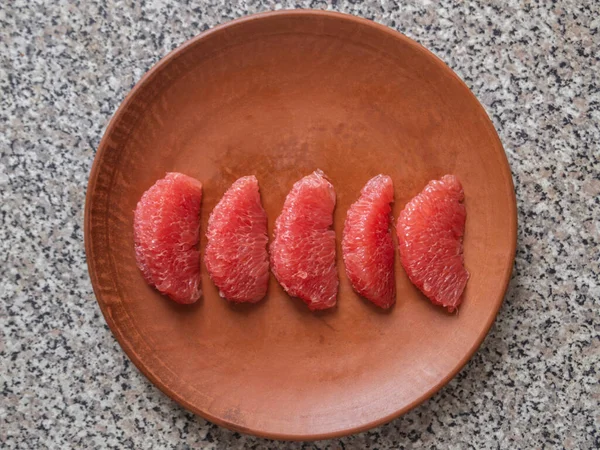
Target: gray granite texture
{"points": [[65, 65]]}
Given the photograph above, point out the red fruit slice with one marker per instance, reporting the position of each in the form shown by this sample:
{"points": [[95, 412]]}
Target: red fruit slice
{"points": [[236, 254], [303, 248], [430, 234], [367, 245], [166, 229]]}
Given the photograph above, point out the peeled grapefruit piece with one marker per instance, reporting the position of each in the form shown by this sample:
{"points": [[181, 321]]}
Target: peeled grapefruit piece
{"points": [[303, 248], [236, 253], [367, 245], [166, 230], [430, 237]]}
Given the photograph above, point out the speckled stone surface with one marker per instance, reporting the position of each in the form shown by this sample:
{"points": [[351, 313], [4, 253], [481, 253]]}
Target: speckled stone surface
{"points": [[66, 65]]}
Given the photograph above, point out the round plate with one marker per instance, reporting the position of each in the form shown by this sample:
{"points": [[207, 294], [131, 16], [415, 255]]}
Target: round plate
{"points": [[279, 95]]}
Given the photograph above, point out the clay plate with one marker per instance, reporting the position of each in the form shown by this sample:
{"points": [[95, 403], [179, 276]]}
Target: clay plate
{"points": [[278, 95]]}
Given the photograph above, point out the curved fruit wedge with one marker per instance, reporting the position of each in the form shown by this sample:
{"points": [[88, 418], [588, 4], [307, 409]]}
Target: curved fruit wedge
{"points": [[430, 237], [166, 233], [303, 248], [367, 245], [236, 253]]}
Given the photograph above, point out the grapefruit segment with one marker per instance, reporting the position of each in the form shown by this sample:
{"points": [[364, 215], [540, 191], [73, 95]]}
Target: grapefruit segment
{"points": [[430, 238], [303, 247], [166, 235], [367, 244], [236, 253]]}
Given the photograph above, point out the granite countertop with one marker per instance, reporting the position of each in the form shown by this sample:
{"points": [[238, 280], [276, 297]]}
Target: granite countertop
{"points": [[64, 68]]}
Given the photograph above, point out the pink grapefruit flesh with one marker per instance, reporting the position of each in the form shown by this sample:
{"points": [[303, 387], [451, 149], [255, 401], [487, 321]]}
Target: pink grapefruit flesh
{"points": [[367, 244], [166, 235], [236, 253], [303, 248], [430, 238]]}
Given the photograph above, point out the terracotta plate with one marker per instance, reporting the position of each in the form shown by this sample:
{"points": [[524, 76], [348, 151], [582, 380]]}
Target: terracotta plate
{"points": [[278, 95]]}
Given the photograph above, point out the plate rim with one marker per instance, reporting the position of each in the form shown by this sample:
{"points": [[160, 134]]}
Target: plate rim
{"points": [[160, 65]]}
